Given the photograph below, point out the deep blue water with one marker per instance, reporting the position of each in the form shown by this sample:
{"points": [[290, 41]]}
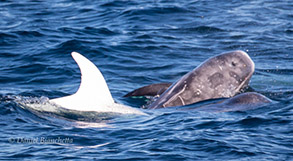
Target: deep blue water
{"points": [[135, 44]]}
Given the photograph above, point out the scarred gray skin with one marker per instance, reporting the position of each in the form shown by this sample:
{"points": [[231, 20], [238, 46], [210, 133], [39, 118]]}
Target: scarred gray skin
{"points": [[222, 76]]}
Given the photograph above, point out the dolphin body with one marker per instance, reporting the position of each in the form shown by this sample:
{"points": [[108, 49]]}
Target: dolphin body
{"points": [[242, 102], [222, 76]]}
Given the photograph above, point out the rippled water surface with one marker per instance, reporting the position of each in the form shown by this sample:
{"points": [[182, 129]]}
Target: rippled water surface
{"points": [[136, 43]]}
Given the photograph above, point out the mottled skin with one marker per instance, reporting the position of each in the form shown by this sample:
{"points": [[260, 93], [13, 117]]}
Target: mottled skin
{"points": [[222, 76]]}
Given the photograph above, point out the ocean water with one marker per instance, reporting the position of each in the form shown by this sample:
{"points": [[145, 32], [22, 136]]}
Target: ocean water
{"points": [[136, 43]]}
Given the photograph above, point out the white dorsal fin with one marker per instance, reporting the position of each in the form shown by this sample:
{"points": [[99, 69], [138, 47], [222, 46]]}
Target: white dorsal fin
{"points": [[93, 91]]}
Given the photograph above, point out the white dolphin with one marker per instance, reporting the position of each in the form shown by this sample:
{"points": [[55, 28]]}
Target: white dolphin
{"points": [[93, 93]]}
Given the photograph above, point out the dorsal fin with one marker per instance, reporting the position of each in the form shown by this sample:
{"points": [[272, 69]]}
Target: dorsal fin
{"points": [[93, 91], [149, 90]]}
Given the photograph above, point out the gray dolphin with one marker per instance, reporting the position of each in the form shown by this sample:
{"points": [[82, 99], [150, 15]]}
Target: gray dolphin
{"points": [[221, 76], [241, 102]]}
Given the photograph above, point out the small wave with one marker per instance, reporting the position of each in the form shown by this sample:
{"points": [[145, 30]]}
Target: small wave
{"points": [[205, 29], [254, 121], [276, 71], [118, 3], [10, 25], [8, 39], [198, 29], [68, 46], [151, 11], [289, 31], [29, 33], [103, 31], [7, 35]]}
